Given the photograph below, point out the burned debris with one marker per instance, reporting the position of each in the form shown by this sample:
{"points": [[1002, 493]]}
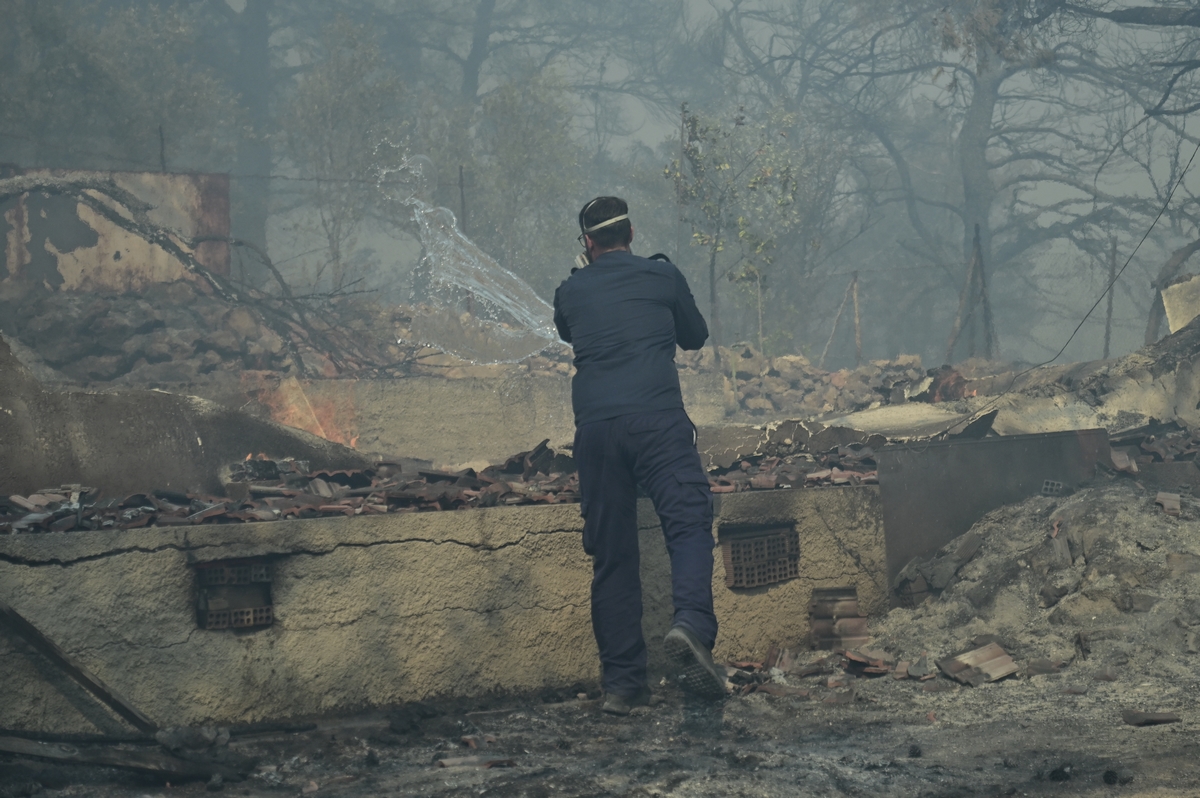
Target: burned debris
{"points": [[184, 333], [269, 490], [263, 489]]}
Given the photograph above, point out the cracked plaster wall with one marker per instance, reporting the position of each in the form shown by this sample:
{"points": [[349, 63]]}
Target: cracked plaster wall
{"points": [[379, 610]]}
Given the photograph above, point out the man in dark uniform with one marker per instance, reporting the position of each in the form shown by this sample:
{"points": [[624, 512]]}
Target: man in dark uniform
{"points": [[624, 315]]}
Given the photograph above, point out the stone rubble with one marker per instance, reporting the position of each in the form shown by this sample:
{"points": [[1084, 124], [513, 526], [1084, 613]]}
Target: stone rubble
{"points": [[177, 333]]}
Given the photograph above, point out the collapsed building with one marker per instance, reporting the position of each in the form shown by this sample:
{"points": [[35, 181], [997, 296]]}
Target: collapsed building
{"points": [[219, 508]]}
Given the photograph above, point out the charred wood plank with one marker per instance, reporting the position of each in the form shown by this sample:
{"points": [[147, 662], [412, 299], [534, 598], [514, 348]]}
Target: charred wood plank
{"points": [[147, 761], [105, 694]]}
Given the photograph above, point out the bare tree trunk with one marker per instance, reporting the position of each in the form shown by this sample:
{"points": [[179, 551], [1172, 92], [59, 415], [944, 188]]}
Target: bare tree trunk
{"points": [[990, 345], [479, 50], [966, 308]]}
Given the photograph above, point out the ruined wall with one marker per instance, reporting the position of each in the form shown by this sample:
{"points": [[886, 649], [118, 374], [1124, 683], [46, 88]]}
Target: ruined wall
{"points": [[128, 443], [61, 243], [452, 421], [378, 610]]}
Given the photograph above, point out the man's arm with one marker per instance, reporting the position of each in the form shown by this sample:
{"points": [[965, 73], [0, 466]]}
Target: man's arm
{"points": [[690, 330], [560, 321]]}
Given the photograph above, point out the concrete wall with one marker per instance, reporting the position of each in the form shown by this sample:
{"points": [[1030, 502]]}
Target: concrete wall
{"points": [[132, 442], [479, 415], [380, 610]]}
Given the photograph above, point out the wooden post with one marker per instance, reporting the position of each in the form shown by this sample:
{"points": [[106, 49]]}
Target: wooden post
{"points": [[680, 236], [836, 319], [1112, 279], [990, 346], [84, 678], [762, 349], [965, 310], [713, 308], [857, 323], [462, 201]]}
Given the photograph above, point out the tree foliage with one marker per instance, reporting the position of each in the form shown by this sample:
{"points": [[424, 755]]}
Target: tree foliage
{"points": [[868, 137], [81, 86], [344, 105], [761, 196]]}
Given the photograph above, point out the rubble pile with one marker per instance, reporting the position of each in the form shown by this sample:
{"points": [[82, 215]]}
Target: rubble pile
{"points": [[179, 333], [1096, 593], [271, 490], [1157, 443], [846, 465], [794, 454], [1101, 579], [171, 333], [261, 489], [790, 384]]}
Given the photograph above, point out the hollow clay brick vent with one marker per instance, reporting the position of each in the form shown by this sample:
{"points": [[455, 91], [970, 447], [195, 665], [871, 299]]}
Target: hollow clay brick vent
{"points": [[234, 595], [760, 558]]}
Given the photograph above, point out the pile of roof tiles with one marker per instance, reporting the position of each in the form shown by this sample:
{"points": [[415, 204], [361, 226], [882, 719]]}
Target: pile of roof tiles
{"points": [[847, 465], [1157, 443], [834, 676], [270, 490]]}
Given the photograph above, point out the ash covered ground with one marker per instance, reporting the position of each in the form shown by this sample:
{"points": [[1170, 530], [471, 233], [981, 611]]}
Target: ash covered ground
{"points": [[1109, 629]]}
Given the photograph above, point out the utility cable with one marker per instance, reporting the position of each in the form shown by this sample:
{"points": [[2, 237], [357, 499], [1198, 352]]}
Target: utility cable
{"points": [[1096, 304]]}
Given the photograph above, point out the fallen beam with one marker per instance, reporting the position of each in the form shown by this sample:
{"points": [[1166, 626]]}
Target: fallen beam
{"points": [[105, 694], [146, 761]]}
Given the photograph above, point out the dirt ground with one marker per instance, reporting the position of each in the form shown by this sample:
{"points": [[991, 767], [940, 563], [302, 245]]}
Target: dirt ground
{"points": [[1110, 614]]}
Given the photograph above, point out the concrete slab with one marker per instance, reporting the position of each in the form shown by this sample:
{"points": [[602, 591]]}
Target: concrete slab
{"points": [[1182, 303]]}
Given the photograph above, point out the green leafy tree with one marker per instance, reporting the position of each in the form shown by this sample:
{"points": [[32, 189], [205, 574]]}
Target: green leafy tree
{"points": [[761, 196]]}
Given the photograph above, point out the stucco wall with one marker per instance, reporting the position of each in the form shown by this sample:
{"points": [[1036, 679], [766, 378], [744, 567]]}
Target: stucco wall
{"points": [[379, 610]]}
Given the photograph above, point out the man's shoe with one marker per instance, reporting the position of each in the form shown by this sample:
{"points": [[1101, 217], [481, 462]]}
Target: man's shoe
{"points": [[692, 664], [623, 705]]}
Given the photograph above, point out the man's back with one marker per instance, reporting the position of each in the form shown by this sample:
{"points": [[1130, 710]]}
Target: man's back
{"points": [[624, 315]]}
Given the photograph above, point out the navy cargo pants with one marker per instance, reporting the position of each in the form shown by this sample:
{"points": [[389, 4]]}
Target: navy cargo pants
{"points": [[658, 451]]}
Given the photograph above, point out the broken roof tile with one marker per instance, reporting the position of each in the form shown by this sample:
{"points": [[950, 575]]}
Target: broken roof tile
{"points": [[987, 663]]}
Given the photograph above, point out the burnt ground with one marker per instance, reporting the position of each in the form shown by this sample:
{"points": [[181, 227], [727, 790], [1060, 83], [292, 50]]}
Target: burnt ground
{"points": [[1104, 623], [753, 746]]}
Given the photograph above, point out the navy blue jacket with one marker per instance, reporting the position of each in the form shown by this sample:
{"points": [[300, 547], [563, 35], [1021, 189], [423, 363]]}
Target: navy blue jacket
{"points": [[624, 315]]}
